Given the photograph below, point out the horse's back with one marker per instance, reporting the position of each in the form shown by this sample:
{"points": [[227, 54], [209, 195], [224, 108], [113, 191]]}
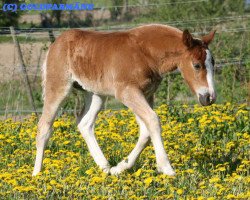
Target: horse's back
{"points": [[109, 57]]}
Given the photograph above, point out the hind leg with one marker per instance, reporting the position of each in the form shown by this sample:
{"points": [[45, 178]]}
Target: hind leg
{"points": [[54, 95], [93, 104]]}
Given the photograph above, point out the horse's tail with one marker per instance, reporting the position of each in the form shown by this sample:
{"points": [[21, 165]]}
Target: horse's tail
{"points": [[44, 73]]}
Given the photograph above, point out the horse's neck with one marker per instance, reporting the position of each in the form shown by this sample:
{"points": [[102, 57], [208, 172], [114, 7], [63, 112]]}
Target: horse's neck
{"points": [[165, 50], [170, 62]]}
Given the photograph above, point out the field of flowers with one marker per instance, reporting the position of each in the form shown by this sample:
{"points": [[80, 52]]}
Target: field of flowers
{"points": [[208, 147]]}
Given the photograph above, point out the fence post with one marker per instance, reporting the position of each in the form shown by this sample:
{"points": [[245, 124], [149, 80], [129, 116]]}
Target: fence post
{"points": [[51, 36], [23, 68]]}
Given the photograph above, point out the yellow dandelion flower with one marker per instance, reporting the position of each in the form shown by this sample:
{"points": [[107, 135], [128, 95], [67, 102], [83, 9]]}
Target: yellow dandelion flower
{"points": [[138, 172], [214, 180], [230, 196], [53, 182], [221, 169], [48, 187], [56, 124], [89, 171], [179, 191], [96, 179], [148, 181], [66, 142], [2, 136]]}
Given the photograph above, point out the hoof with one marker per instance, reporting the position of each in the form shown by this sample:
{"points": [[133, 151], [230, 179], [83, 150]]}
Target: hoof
{"points": [[116, 170], [106, 170], [167, 170], [35, 173]]}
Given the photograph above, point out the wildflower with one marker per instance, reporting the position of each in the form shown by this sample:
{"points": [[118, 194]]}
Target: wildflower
{"points": [[78, 144], [193, 142], [222, 169], [2, 137], [53, 182], [66, 142], [56, 124], [230, 196], [147, 181], [138, 172], [90, 171], [190, 171], [214, 180], [96, 179], [179, 191], [48, 187]]}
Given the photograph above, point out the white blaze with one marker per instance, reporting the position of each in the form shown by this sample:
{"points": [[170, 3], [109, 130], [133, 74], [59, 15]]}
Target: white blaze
{"points": [[210, 79]]}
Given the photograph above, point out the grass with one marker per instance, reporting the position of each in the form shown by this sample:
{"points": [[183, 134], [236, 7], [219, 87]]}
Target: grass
{"points": [[208, 147], [22, 39]]}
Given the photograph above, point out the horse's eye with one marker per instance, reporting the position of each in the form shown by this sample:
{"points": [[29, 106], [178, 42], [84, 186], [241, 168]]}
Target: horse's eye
{"points": [[197, 66]]}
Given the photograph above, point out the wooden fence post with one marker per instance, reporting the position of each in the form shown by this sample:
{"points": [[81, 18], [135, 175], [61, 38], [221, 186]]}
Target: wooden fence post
{"points": [[51, 36], [23, 68]]}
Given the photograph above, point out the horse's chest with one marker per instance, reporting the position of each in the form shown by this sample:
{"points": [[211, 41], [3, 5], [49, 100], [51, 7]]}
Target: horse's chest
{"points": [[152, 85]]}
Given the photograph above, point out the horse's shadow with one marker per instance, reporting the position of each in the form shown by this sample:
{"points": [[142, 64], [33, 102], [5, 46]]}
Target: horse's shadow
{"points": [[231, 159], [205, 164]]}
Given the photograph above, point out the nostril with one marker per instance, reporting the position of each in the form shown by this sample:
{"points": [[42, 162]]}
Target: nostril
{"points": [[205, 99], [213, 98]]}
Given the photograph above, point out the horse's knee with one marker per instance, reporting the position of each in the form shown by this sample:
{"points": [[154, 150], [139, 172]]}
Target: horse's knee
{"points": [[85, 128]]}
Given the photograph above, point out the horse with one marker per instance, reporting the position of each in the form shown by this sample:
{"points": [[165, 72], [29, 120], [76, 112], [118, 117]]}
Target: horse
{"points": [[128, 65]]}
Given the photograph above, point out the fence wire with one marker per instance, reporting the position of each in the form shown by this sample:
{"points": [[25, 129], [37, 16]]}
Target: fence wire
{"points": [[35, 41]]}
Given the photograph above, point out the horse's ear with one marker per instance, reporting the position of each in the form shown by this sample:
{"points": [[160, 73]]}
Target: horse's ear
{"points": [[187, 39], [207, 39]]}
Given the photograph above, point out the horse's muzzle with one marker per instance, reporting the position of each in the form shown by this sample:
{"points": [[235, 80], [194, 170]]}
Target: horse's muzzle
{"points": [[206, 99]]}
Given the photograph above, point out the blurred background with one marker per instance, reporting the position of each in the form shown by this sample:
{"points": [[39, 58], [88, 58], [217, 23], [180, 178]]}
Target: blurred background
{"points": [[20, 82]]}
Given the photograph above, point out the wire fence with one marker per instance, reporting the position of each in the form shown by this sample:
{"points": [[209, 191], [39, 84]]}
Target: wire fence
{"points": [[208, 22], [34, 42]]}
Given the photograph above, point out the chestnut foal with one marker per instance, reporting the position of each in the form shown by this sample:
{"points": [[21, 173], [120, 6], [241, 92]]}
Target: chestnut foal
{"points": [[128, 65]]}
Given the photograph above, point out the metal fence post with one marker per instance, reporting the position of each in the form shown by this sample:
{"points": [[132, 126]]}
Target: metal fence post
{"points": [[23, 68]]}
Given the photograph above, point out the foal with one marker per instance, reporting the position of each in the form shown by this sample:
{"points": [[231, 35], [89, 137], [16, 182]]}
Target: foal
{"points": [[128, 65]]}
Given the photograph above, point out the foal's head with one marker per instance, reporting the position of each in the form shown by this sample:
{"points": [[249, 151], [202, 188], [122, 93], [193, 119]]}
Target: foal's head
{"points": [[197, 66]]}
